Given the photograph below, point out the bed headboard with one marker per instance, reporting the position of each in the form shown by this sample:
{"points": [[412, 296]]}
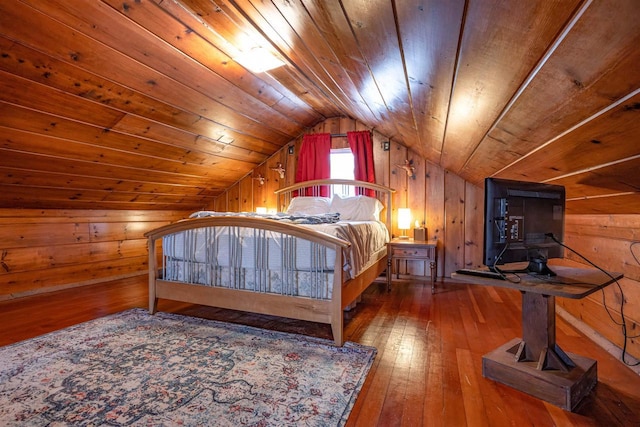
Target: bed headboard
{"points": [[343, 187]]}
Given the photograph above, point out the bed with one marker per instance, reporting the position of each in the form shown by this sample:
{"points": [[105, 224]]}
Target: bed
{"points": [[310, 261]]}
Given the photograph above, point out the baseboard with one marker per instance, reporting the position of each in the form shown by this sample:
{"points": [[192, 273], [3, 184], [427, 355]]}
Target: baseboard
{"points": [[47, 290], [594, 336]]}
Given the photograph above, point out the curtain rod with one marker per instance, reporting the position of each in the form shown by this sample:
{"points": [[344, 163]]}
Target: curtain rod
{"points": [[341, 135]]}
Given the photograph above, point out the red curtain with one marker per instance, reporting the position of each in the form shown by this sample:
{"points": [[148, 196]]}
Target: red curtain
{"points": [[314, 161], [362, 148]]}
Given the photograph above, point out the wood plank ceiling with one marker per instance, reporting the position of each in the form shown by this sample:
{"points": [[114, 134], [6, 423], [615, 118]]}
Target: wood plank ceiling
{"points": [[138, 104]]}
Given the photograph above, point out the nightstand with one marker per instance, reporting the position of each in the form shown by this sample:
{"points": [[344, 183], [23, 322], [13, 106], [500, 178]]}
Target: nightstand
{"points": [[413, 250]]}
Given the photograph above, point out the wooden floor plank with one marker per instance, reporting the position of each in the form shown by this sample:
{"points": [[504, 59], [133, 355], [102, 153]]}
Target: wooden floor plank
{"points": [[434, 387], [412, 411], [375, 390], [394, 401], [453, 339]]}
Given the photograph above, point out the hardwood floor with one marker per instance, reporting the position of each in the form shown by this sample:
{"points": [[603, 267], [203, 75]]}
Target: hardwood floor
{"points": [[428, 367]]}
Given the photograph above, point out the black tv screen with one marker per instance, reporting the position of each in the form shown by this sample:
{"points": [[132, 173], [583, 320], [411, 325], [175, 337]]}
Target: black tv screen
{"points": [[519, 219]]}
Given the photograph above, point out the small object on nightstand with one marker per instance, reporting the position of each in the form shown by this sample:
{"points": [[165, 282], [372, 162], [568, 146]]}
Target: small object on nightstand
{"points": [[420, 234], [412, 250]]}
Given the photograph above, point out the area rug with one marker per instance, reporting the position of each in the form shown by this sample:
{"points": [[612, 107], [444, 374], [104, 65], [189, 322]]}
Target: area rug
{"points": [[133, 368]]}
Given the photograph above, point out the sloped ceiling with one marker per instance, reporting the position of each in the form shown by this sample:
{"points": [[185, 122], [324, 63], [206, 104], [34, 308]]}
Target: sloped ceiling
{"points": [[139, 105]]}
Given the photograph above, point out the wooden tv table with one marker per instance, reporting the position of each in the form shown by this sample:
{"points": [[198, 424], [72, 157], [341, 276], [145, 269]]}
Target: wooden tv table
{"points": [[535, 364]]}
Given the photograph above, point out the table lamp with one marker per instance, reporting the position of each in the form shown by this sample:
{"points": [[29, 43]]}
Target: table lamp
{"points": [[404, 221]]}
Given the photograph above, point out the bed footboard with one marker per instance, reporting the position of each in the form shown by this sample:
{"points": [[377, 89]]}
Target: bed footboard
{"points": [[250, 264]]}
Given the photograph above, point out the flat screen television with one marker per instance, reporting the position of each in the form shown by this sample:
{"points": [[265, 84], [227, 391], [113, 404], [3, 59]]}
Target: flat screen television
{"points": [[520, 219]]}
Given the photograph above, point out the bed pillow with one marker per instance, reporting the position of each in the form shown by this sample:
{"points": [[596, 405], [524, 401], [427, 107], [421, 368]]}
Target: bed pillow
{"points": [[357, 208], [309, 205]]}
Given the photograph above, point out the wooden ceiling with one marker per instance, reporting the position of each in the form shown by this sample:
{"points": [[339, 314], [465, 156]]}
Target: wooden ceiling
{"points": [[138, 104]]}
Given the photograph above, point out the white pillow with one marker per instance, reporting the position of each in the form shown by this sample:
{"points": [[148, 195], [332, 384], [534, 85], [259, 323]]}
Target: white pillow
{"points": [[309, 205], [357, 208]]}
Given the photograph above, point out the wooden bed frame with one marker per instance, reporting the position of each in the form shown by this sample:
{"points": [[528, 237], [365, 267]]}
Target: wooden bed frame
{"points": [[330, 311]]}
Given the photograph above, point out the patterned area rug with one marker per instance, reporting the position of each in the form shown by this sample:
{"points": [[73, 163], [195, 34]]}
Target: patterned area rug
{"points": [[132, 368]]}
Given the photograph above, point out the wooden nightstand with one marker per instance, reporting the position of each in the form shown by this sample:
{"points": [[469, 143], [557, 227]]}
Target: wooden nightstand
{"points": [[414, 250]]}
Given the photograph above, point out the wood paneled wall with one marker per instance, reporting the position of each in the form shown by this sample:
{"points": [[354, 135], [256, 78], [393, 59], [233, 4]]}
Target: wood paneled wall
{"points": [[46, 250], [452, 210], [613, 243]]}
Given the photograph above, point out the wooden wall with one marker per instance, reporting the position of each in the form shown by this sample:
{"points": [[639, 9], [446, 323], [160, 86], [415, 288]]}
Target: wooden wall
{"points": [[47, 250], [612, 242]]}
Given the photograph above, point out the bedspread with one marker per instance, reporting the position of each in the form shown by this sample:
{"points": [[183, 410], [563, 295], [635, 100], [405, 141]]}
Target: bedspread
{"points": [[268, 261]]}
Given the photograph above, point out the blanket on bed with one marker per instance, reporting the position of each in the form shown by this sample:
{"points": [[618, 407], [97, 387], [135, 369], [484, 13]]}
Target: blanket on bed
{"points": [[326, 218]]}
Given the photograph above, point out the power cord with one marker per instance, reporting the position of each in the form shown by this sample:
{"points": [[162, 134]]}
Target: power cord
{"points": [[503, 274], [623, 325], [633, 254]]}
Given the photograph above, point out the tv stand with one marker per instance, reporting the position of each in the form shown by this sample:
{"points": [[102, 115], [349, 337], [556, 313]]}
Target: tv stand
{"points": [[535, 364], [539, 266]]}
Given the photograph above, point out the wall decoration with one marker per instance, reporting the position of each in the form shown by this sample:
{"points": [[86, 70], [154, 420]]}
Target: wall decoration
{"points": [[280, 169], [408, 168]]}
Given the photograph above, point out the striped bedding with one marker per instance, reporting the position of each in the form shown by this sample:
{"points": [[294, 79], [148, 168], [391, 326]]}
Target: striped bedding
{"points": [[268, 261]]}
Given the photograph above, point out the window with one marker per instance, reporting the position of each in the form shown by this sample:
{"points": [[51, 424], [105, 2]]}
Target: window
{"points": [[342, 168], [341, 163]]}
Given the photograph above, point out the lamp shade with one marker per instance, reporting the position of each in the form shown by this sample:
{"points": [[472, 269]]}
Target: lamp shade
{"points": [[404, 218]]}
